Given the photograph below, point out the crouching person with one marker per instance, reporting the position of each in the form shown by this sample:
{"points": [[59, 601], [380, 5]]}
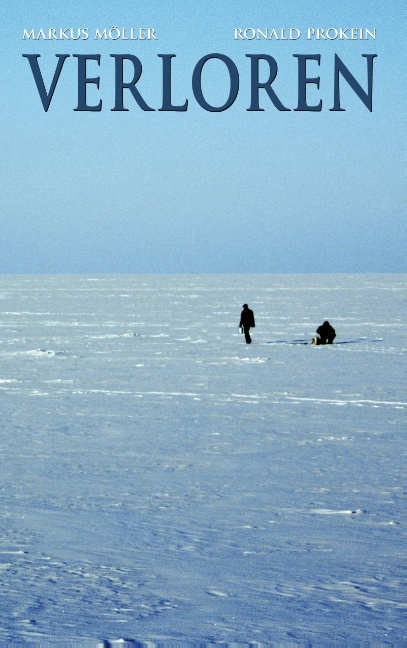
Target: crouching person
{"points": [[326, 334]]}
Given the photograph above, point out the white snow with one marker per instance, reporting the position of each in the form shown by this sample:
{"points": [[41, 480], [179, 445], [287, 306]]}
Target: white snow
{"points": [[165, 482]]}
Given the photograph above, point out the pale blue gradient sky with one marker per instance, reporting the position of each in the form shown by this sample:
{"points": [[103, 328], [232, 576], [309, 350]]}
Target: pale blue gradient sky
{"points": [[202, 192]]}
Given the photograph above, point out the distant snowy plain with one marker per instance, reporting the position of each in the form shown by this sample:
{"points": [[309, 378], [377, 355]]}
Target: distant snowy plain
{"points": [[163, 481]]}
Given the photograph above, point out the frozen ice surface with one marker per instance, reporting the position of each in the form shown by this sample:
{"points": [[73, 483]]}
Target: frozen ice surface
{"points": [[163, 481]]}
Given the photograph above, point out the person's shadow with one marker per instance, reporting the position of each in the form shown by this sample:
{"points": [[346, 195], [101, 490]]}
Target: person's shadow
{"points": [[358, 341]]}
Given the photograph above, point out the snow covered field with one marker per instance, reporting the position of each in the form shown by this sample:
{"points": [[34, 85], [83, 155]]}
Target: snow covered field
{"points": [[161, 480]]}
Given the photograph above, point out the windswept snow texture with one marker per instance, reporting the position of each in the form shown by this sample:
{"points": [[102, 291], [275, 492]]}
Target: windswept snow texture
{"points": [[161, 480]]}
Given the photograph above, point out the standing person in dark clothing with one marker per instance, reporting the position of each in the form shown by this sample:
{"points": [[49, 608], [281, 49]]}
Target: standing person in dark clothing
{"points": [[326, 334], [247, 322]]}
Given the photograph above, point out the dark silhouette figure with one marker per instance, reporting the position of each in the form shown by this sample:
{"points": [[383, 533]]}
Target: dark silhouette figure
{"points": [[247, 322], [326, 334]]}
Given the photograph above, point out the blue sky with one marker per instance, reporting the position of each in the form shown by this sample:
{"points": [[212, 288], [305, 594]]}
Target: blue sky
{"points": [[235, 191]]}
